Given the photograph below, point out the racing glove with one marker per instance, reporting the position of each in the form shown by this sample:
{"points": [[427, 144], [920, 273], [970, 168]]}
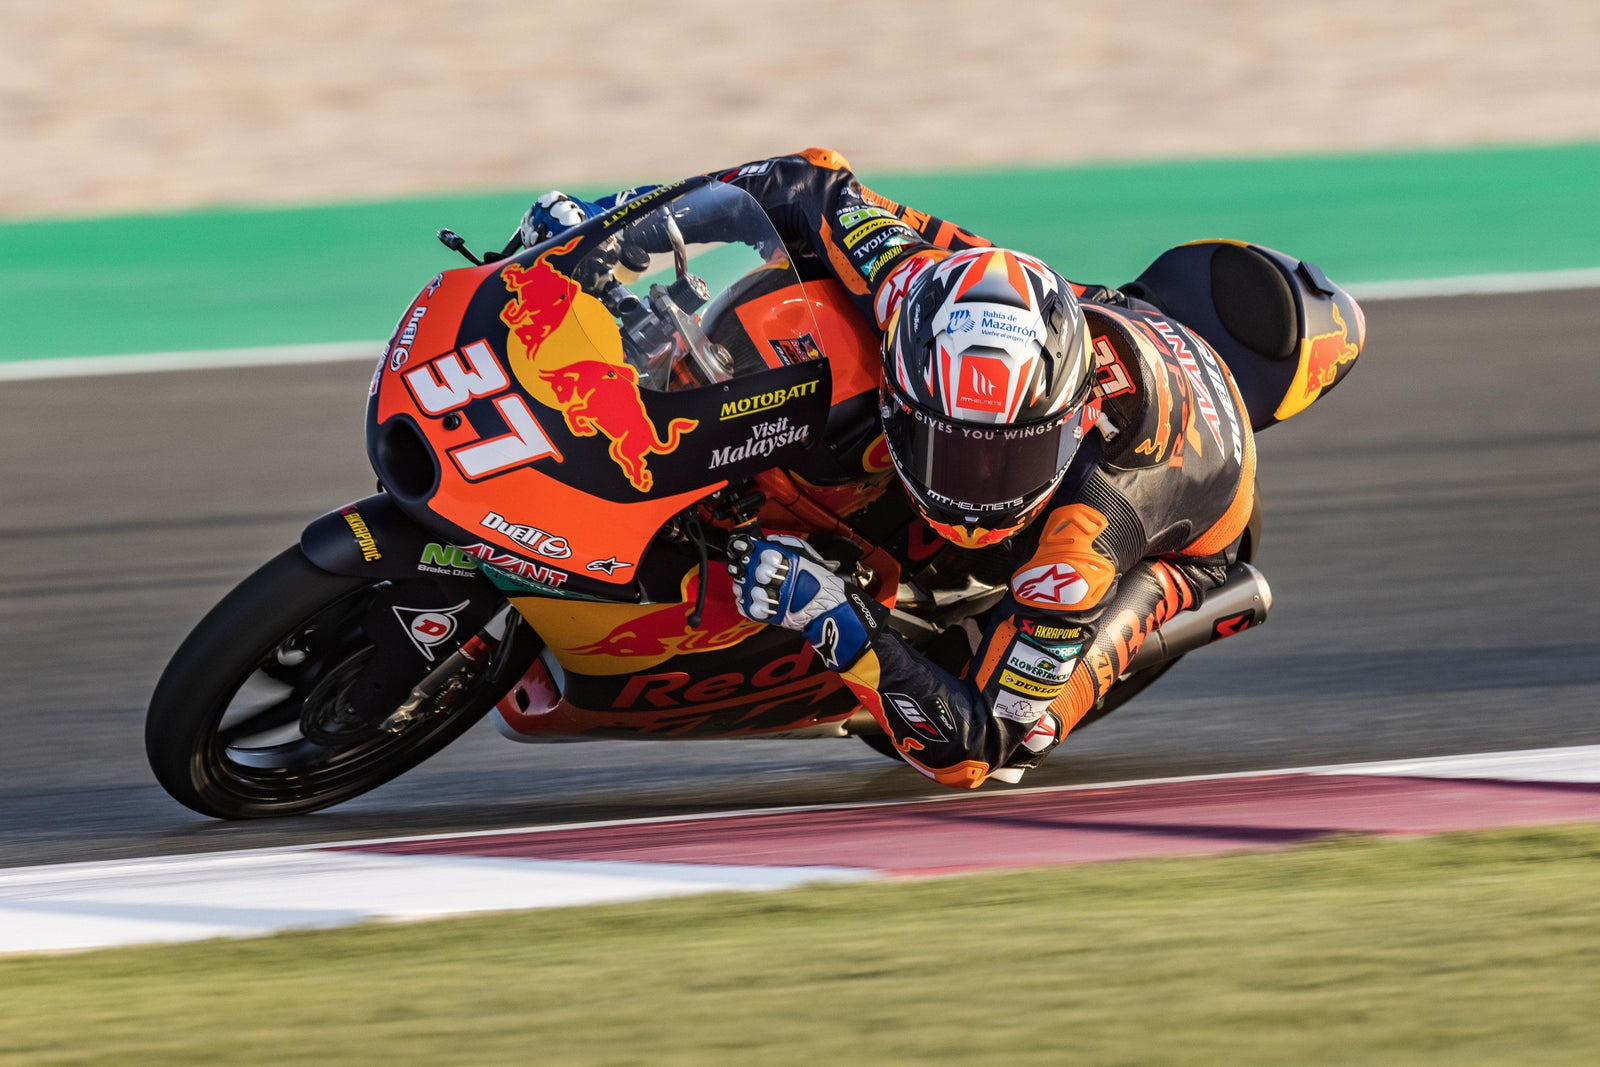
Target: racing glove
{"points": [[781, 581], [553, 213]]}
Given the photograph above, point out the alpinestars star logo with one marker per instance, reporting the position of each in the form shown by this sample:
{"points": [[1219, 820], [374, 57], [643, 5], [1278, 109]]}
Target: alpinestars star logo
{"points": [[828, 644], [1057, 584]]}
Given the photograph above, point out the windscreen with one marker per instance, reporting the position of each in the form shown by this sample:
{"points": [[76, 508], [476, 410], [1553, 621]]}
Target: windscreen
{"points": [[660, 272], [560, 406]]}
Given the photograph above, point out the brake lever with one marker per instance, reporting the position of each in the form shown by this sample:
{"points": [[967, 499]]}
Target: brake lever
{"points": [[456, 243]]}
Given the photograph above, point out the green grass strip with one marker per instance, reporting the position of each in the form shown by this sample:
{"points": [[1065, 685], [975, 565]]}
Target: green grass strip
{"points": [[232, 278], [1463, 949]]}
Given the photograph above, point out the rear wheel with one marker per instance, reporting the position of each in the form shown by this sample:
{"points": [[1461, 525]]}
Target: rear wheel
{"points": [[252, 717]]}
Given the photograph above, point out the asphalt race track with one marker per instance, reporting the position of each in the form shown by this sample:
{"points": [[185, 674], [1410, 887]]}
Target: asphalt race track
{"points": [[1430, 538]]}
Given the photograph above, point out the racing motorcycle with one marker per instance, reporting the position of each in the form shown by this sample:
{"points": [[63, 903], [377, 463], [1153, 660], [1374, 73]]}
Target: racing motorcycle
{"points": [[565, 437]]}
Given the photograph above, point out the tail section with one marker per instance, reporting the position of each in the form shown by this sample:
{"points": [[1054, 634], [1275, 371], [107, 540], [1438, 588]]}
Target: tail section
{"points": [[1286, 332]]}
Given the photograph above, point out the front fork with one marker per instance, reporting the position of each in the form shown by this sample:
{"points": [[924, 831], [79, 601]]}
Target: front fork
{"points": [[441, 687], [437, 620]]}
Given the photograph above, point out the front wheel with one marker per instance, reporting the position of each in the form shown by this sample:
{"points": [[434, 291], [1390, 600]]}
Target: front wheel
{"points": [[252, 719]]}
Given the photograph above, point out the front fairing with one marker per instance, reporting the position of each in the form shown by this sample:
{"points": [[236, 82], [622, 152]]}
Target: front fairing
{"points": [[550, 412]]}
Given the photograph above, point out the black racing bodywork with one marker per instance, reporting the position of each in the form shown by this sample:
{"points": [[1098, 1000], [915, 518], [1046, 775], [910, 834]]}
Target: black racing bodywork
{"points": [[1286, 332], [371, 538], [432, 596]]}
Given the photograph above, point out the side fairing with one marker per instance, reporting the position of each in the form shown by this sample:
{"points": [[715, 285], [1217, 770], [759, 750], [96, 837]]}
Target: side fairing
{"points": [[511, 415]]}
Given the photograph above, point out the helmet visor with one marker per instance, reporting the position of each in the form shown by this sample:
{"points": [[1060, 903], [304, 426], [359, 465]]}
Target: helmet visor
{"points": [[979, 469]]}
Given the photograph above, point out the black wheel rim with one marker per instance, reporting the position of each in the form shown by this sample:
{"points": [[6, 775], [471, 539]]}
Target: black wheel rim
{"points": [[258, 748]]}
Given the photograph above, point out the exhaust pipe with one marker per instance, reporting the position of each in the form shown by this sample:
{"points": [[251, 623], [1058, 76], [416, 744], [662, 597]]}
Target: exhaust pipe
{"points": [[1240, 602]]}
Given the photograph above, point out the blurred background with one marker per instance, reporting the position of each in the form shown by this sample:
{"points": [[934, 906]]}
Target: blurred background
{"points": [[128, 107], [245, 193], [210, 176]]}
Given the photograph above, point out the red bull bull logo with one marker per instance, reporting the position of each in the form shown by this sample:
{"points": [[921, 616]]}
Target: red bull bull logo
{"points": [[600, 397], [541, 296], [666, 631], [1325, 353]]}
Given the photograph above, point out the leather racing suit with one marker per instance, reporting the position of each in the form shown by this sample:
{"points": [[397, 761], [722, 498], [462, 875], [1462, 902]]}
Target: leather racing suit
{"points": [[1148, 516]]}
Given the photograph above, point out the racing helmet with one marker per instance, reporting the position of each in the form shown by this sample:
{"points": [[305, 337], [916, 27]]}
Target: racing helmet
{"points": [[986, 390]]}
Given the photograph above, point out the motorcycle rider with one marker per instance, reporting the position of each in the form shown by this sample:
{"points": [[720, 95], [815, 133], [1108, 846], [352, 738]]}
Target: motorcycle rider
{"points": [[1102, 442]]}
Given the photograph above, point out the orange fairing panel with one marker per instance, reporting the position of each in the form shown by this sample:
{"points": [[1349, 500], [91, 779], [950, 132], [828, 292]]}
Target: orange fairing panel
{"points": [[851, 345], [852, 348], [509, 415], [500, 458]]}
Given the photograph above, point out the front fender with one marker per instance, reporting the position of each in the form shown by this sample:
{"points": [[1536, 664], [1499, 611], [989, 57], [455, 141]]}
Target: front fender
{"points": [[373, 538]]}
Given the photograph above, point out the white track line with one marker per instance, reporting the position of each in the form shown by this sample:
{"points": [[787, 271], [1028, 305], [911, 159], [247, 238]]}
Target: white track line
{"points": [[272, 356], [1572, 763], [189, 898], [1475, 284], [1579, 763], [256, 891]]}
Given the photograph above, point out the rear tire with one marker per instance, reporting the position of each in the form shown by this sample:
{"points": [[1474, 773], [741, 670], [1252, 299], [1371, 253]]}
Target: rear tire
{"points": [[290, 625]]}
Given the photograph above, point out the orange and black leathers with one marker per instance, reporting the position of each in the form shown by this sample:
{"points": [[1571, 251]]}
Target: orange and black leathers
{"points": [[1141, 526], [820, 209]]}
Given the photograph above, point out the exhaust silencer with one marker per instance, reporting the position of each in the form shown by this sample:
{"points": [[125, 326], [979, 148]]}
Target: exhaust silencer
{"points": [[1234, 606]]}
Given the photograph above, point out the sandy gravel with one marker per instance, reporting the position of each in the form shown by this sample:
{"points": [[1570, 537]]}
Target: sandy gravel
{"points": [[108, 105]]}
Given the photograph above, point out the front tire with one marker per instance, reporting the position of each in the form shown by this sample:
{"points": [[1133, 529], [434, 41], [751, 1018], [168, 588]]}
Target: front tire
{"points": [[250, 720]]}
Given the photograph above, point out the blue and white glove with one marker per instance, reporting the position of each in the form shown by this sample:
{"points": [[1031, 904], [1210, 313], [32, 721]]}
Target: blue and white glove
{"points": [[781, 581], [553, 213]]}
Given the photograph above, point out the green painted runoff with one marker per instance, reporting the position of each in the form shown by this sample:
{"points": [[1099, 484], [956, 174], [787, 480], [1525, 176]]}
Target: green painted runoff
{"points": [[235, 277]]}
